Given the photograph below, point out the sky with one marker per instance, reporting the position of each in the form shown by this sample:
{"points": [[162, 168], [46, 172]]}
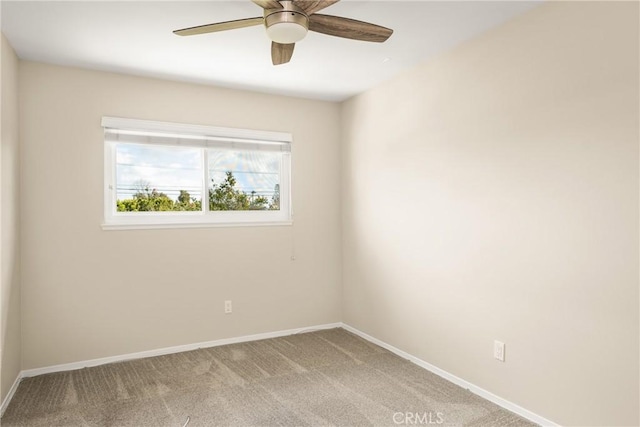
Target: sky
{"points": [[171, 169]]}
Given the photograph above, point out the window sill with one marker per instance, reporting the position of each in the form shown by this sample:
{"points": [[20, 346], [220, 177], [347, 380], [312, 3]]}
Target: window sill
{"points": [[125, 226]]}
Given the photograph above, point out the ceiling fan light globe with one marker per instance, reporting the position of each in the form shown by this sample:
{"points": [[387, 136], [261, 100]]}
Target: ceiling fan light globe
{"points": [[286, 32]]}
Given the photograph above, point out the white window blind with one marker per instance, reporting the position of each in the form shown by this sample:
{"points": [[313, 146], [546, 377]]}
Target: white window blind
{"points": [[164, 133]]}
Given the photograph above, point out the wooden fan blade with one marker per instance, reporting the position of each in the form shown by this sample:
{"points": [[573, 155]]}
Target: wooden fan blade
{"points": [[281, 53], [313, 6], [220, 26], [268, 4], [348, 28]]}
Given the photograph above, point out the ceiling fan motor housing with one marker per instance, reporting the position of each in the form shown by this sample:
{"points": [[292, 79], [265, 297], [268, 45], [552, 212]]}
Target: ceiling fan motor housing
{"points": [[287, 25]]}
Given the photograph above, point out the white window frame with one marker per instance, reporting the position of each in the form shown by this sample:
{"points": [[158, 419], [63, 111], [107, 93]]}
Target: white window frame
{"points": [[193, 136]]}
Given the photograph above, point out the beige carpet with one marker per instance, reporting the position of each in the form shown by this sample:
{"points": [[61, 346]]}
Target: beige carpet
{"points": [[322, 378]]}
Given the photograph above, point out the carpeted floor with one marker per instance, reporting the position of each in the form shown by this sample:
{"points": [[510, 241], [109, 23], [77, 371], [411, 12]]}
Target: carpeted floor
{"points": [[322, 378]]}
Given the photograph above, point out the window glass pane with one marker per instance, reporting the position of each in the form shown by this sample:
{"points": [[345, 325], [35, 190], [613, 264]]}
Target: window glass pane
{"points": [[158, 178], [244, 180]]}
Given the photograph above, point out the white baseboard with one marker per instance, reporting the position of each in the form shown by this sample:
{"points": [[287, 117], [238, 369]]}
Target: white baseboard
{"points": [[516, 409], [188, 347], [170, 350], [9, 395]]}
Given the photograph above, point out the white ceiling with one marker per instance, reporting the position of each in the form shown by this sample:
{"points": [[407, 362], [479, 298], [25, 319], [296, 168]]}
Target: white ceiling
{"points": [[136, 38]]}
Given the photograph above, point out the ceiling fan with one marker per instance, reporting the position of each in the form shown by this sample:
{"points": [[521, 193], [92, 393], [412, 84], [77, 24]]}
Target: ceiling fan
{"points": [[287, 22]]}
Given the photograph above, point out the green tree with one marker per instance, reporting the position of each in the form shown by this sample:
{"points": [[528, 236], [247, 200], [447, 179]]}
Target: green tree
{"points": [[187, 203], [146, 199], [275, 199], [225, 197], [184, 197], [222, 197]]}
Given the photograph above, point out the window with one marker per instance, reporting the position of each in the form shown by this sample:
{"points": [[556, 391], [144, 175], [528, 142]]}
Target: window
{"points": [[173, 175]]}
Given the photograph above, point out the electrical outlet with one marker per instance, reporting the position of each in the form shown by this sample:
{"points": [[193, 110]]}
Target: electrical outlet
{"points": [[227, 307], [498, 350]]}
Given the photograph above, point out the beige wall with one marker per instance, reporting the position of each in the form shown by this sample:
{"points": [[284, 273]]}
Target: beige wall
{"points": [[89, 293], [493, 193], [10, 345]]}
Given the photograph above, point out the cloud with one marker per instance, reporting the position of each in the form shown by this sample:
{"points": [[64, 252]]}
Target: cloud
{"points": [[171, 169]]}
